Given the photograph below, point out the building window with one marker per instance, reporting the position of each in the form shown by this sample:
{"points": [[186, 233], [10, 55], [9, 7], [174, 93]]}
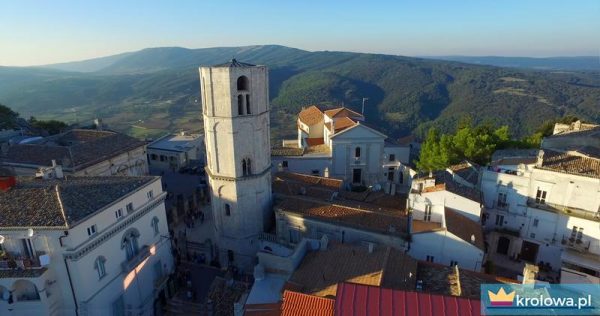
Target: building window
{"points": [[357, 152], [540, 196], [392, 157], [230, 255], [130, 243], [427, 216], [163, 158], [249, 166], [284, 164], [119, 213], [240, 104], [227, 210], [536, 222], [155, 225], [129, 207], [532, 235], [153, 157], [242, 83], [502, 200], [453, 263], [118, 306], [150, 194], [315, 172], [248, 104], [91, 230], [99, 266], [401, 177], [429, 259], [390, 174], [499, 220], [246, 167]]}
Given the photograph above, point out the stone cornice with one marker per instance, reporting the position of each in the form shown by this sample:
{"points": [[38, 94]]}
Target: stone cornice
{"points": [[82, 250]]}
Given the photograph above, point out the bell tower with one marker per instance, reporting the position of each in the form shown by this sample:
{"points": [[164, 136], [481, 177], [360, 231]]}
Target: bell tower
{"points": [[235, 107]]}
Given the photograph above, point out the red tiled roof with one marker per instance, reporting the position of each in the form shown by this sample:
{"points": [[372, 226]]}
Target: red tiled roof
{"points": [[315, 141], [342, 112], [311, 115], [341, 124], [358, 300], [299, 304], [464, 228]]}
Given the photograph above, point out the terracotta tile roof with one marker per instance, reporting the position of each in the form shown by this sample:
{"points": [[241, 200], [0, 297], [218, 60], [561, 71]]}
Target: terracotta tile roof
{"points": [[376, 200], [362, 300], [571, 164], [464, 228], [311, 115], [366, 217], [316, 149], [441, 279], [341, 124], [300, 304], [444, 181], [287, 151], [467, 171], [342, 112], [321, 271], [62, 202], [315, 141], [419, 226], [75, 149]]}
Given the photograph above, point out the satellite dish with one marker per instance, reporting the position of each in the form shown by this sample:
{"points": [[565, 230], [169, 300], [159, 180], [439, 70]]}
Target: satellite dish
{"points": [[473, 239], [1, 239], [29, 232]]}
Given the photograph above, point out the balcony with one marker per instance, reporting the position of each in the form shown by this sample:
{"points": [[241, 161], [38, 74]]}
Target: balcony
{"points": [[576, 244], [565, 210], [508, 231], [130, 264], [17, 266]]}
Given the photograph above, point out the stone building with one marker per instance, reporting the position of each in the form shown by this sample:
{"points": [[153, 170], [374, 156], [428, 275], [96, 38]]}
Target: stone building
{"points": [[83, 245], [81, 152], [235, 100]]}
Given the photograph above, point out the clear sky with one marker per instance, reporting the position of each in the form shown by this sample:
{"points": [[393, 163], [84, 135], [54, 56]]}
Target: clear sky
{"points": [[42, 32]]}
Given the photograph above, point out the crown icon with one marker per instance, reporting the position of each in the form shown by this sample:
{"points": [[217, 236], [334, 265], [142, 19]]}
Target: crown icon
{"points": [[501, 298]]}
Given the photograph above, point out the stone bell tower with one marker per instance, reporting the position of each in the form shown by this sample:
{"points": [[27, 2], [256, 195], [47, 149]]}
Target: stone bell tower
{"points": [[235, 106]]}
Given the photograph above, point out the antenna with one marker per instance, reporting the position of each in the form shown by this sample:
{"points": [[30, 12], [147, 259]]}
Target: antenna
{"points": [[363, 106]]}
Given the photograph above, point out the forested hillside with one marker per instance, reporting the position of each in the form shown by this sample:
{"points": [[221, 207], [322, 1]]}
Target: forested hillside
{"points": [[155, 90]]}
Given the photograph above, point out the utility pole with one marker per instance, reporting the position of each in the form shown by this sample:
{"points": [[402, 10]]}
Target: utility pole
{"points": [[363, 106]]}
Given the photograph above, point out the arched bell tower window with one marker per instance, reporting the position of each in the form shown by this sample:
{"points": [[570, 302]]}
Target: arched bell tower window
{"points": [[227, 210], [244, 167], [249, 166], [240, 104], [242, 83], [248, 104]]}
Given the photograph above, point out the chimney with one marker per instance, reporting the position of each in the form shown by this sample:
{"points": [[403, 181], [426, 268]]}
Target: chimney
{"points": [[540, 159], [530, 273], [53, 172], [7, 179], [457, 288]]}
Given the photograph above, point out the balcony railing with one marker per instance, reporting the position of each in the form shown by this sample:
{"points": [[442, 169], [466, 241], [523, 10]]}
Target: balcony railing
{"points": [[508, 231], [565, 210], [130, 264], [576, 244], [8, 262]]}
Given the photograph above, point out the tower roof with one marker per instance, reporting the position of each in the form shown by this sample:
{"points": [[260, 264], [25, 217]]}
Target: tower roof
{"points": [[234, 63]]}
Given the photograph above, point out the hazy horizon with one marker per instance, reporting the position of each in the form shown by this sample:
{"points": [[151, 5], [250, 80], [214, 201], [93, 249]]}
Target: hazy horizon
{"points": [[42, 33]]}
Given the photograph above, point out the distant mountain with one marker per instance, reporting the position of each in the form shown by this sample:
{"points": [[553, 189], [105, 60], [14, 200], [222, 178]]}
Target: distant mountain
{"points": [[156, 90], [583, 63]]}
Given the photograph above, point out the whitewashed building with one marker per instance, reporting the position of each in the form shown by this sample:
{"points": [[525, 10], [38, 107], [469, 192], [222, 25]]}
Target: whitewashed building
{"points": [[545, 209], [337, 143], [175, 151], [83, 246], [235, 100], [81, 152], [449, 205]]}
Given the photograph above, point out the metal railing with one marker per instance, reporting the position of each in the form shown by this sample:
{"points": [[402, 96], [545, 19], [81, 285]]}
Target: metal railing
{"points": [[563, 209], [576, 244]]}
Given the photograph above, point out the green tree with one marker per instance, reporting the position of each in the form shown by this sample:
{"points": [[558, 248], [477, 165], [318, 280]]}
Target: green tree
{"points": [[51, 126], [8, 117]]}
